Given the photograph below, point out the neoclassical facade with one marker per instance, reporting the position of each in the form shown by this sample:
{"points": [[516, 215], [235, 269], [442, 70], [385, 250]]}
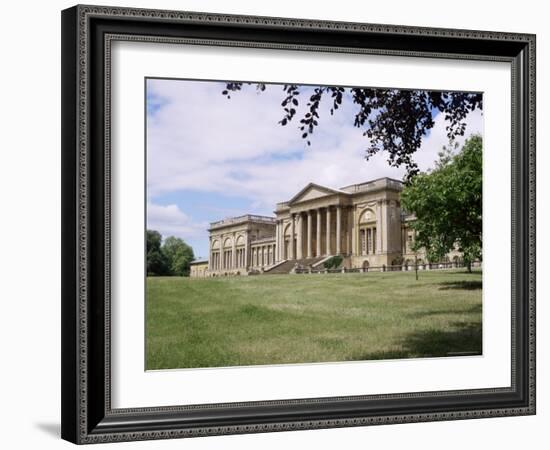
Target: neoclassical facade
{"points": [[363, 223]]}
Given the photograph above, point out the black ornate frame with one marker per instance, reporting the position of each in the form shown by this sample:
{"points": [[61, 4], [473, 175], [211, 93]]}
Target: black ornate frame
{"points": [[87, 33]]}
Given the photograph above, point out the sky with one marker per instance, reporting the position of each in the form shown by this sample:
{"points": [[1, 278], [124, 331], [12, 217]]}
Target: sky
{"points": [[209, 157]]}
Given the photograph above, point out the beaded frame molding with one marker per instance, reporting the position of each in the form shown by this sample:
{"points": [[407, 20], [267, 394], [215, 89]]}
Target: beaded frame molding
{"points": [[87, 35]]}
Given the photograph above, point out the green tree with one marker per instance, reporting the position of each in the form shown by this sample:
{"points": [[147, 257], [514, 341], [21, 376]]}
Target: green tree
{"points": [[178, 254], [157, 263], [394, 120], [447, 204]]}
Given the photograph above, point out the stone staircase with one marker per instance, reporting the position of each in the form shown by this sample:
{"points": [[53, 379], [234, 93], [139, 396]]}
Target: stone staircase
{"points": [[287, 266]]}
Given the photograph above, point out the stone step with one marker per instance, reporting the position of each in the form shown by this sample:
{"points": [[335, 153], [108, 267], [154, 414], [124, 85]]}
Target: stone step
{"points": [[287, 266]]}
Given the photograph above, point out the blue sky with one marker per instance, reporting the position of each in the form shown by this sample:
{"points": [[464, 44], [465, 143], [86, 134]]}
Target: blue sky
{"points": [[209, 157]]}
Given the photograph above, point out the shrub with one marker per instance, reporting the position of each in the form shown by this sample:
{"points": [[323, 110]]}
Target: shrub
{"points": [[333, 262]]}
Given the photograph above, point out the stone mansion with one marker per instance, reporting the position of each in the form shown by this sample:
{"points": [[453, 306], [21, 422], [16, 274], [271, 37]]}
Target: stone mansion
{"points": [[363, 223]]}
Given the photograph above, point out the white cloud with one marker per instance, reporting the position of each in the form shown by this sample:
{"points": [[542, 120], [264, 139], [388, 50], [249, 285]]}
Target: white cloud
{"points": [[169, 220], [427, 153], [200, 140]]}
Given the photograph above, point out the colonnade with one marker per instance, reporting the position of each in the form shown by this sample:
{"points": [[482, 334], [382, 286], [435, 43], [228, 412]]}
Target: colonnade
{"points": [[228, 259], [291, 245], [263, 255]]}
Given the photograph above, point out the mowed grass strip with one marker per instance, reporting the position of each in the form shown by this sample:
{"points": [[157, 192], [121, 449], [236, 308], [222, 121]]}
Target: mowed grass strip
{"points": [[280, 319]]}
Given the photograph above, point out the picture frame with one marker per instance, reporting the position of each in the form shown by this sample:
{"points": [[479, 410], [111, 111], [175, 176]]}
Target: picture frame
{"points": [[87, 413]]}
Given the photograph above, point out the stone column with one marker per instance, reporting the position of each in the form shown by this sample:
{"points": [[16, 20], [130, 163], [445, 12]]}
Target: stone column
{"points": [[284, 251], [371, 236], [329, 251], [280, 241], [299, 238], [354, 231], [379, 248], [349, 231], [291, 255], [276, 238], [234, 253], [318, 250], [246, 256], [338, 228], [309, 234]]}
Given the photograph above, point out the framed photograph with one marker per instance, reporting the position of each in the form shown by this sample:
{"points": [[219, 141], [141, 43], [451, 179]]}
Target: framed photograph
{"points": [[277, 224]]}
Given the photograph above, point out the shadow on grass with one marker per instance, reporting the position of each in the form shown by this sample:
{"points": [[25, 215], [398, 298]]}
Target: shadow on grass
{"points": [[475, 309], [463, 285], [464, 272], [462, 339]]}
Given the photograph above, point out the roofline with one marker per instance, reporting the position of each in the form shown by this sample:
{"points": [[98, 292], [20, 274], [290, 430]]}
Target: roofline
{"points": [[372, 181], [340, 191], [198, 261], [245, 218], [311, 184]]}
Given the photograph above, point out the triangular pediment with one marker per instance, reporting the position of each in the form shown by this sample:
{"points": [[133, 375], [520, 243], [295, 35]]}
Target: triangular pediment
{"points": [[311, 192]]}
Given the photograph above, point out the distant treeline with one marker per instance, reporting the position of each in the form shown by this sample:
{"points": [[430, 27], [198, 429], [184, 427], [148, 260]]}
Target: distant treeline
{"points": [[171, 257]]}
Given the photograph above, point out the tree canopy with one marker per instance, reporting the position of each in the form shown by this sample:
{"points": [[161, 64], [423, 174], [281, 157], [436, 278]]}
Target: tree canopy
{"points": [[394, 120], [447, 204], [157, 263], [179, 255], [171, 257]]}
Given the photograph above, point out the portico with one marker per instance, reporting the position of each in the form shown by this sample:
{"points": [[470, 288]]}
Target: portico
{"points": [[307, 234], [314, 223]]}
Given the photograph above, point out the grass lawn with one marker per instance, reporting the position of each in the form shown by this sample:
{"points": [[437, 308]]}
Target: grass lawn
{"points": [[277, 319]]}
